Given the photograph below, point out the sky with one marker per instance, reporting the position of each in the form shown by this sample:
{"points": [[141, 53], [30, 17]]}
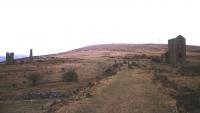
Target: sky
{"points": [[53, 26]]}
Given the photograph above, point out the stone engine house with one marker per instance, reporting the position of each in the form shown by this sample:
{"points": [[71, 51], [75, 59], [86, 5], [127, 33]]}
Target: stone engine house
{"points": [[9, 58], [176, 53]]}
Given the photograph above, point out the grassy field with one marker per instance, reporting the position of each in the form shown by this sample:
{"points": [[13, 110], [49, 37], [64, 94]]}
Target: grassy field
{"points": [[14, 85], [90, 64]]}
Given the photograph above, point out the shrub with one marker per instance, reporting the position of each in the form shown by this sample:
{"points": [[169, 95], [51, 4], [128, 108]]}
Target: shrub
{"points": [[121, 64], [143, 56], [192, 69], [130, 66], [24, 82], [33, 77], [134, 64], [14, 85], [125, 62], [110, 72], [62, 69], [70, 76], [156, 59], [115, 65], [188, 100]]}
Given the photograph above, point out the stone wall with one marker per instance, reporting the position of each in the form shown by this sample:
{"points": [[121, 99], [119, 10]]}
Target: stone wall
{"points": [[9, 58], [177, 50]]}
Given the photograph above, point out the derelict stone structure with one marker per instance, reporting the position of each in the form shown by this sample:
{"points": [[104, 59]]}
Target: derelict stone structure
{"points": [[9, 58], [176, 53], [31, 55]]}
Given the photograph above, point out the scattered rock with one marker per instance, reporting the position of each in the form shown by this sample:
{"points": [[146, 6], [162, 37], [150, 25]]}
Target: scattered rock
{"points": [[39, 95]]}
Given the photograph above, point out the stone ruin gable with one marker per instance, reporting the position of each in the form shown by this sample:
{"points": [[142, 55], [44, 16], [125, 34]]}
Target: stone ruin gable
{"points": [[177, 50], [9, 58]]}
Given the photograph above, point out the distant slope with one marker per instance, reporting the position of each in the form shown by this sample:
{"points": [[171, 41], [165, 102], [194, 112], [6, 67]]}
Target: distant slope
{"points": [[130, 47], [103, 49], [123, 47]]}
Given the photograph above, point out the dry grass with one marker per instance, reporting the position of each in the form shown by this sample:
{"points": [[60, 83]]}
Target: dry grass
{"points": [[91, 63], [13, 83], [124, 93], [181, 85]]}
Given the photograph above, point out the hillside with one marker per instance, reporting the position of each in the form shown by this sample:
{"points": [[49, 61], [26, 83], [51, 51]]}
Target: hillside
{"points": [[109, 50], [131, 47], [123, 47], [153, 84]]}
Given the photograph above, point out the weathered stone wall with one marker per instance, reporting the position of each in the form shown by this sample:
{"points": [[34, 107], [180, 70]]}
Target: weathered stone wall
{"points": [[171, 50], [177, 50], [9, 58]]}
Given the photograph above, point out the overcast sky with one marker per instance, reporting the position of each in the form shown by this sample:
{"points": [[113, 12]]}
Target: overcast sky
{"points": [[52, 26]]}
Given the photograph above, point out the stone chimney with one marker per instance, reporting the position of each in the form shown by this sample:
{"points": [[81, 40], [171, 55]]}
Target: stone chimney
{"points": [[31, 55]]}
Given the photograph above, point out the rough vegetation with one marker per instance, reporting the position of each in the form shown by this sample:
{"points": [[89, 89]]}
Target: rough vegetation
{"points": [[113, 70], [186, 92], [127, 91], [70, 76], [33, 77], [191, 69], [155, 59], [132, 64]]}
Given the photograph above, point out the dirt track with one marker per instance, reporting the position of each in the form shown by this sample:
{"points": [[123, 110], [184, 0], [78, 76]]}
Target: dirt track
{"points": [[130, 91]]}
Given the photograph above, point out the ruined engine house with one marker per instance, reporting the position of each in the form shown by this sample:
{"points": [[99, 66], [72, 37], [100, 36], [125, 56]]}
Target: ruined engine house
{"points": [[176, 53]]}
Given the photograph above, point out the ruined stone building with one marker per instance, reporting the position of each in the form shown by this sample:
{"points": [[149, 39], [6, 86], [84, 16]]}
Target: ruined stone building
{"points": [[9, 58], [176, 53], [31, 55]]}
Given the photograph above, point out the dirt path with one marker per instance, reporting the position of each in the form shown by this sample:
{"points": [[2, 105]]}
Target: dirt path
{"points": [[130, 91]]}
